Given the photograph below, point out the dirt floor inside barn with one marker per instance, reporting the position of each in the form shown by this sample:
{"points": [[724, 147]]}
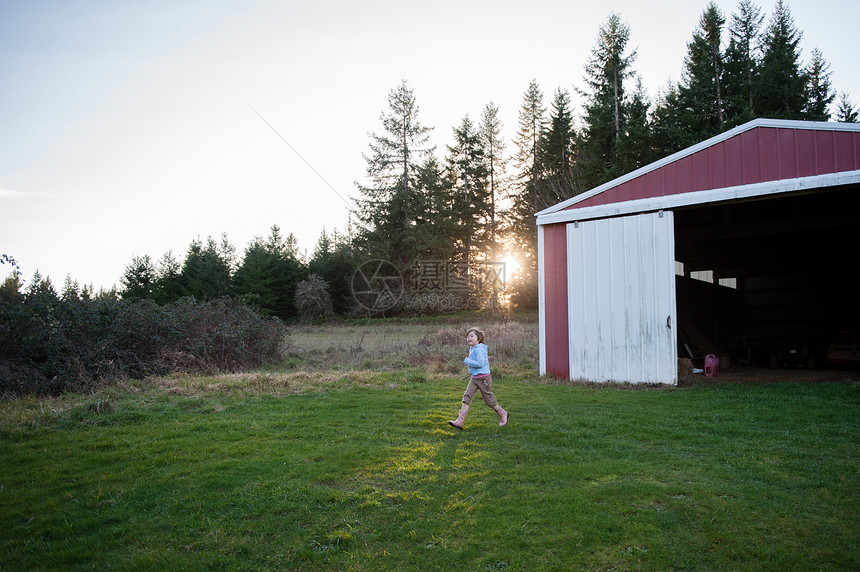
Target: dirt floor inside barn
{"points": [[760, 374]]}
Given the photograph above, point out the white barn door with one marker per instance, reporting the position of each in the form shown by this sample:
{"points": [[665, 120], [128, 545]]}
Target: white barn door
{"points": [[621, 288]]}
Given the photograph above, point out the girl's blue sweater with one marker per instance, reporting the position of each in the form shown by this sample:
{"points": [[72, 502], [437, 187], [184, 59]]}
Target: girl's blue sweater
{"points": [[478, 360]]}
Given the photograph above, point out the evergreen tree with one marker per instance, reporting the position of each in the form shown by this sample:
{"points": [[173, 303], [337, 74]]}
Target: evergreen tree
{"points": [[227, 252], [637, 146], [254, 281], [286, 267], [741, 64], [42, 288], [666, 124], [138, 280], [168, 279], [205, 272], [440, 223], [392, 205], [71, 290], [845, 110], [700, 93], [819, 93], [605, 108], [556, 152], [87, 291], [525, 196], [782, 84], [490, 132], [532, 122], [334, 263], [269, 274], [470, 192]]}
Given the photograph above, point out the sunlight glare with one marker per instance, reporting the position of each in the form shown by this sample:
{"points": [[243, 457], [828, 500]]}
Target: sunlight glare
{"points": [[511, 266]]}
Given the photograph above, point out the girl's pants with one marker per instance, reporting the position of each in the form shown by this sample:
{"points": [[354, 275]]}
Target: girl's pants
{"points": [[485, 386]]}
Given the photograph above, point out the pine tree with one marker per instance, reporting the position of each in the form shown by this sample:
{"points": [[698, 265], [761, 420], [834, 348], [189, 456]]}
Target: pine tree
{"points": [[700, 93], [254, 279], [71, 290], [334, 262], [637, 146], [490, 132], [269, 274], [666, 124], [167, 287], [532, 122], [605, 111], [524, 195], [782, 84], [440, 222], [556, 152], [42, 288], [205, 272], [392, 205], [741, 63], [470, 192], [138, 280], [845, 110], [819, 93]]}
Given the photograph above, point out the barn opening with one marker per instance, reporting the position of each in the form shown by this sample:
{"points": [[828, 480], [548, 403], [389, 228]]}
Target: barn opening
{"points": [[770, 281]]}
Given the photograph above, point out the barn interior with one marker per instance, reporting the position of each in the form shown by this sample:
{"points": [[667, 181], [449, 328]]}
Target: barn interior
{"points": [[771, 282]]}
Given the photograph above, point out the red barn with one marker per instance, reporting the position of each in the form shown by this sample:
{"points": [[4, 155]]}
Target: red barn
{"points": [[742, 246]]}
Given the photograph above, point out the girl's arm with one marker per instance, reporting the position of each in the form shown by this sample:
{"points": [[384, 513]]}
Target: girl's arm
{"points": [[477, 357]]}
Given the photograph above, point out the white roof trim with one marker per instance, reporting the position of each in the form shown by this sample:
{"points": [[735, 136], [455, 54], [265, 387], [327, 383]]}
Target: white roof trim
{"points": [[777, 123], [701, 197]]}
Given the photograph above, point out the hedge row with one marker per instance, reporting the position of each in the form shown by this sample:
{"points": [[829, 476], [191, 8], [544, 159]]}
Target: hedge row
{"points": [[50, 344]]}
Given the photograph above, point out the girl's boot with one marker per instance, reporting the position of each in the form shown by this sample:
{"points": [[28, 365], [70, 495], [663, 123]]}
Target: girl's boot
{"points": [[503, 416], [461, 417]]}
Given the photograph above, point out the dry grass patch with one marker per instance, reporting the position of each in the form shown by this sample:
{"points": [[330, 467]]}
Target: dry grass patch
{"points": [[439, 348], [275, 383]]}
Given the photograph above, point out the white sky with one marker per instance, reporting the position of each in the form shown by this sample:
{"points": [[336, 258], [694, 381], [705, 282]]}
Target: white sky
{"points": [[129, 128]]}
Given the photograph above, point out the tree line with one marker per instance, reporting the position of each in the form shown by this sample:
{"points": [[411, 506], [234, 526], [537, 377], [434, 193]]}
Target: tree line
{"points": [[477, 201]]}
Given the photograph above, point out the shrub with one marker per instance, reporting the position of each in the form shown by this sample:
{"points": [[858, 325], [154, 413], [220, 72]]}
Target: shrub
{"points": [[313, 300], [50, 345]]}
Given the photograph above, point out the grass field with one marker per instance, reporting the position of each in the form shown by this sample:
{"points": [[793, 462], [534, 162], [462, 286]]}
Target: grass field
{"points": [[341, 459]]}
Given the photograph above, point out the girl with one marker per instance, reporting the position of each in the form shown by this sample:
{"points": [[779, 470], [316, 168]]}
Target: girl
{"points": [[479, 370]]}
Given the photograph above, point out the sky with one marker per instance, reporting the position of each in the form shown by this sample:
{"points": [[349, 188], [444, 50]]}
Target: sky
{"points": [[131, 128]]}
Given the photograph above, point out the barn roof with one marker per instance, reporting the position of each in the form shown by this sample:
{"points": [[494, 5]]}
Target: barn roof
{"points": [[758, 158]]}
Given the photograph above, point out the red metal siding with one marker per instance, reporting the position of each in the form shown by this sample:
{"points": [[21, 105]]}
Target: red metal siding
{"points": [[787, 152], [701, 170], [750, 143], [684, 183], [805, 153], [734, 162], [755, 156], [827, 154], [769, 155], [846, 157], [555, 300], [719, 168]]}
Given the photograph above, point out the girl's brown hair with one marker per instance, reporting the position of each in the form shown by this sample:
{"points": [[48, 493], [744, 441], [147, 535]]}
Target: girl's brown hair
{"points": [[478, 333]]}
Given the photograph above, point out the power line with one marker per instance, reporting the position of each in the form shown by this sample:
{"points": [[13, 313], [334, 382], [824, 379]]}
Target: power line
{"points": [[323, 179]]}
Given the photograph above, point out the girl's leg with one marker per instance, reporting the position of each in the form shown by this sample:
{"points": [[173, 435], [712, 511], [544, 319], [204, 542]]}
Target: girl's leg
{"points": [[485, 384], [471, 390]]}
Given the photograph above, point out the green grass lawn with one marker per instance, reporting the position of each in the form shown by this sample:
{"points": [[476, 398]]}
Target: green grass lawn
{"points": [[371, 477]]}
